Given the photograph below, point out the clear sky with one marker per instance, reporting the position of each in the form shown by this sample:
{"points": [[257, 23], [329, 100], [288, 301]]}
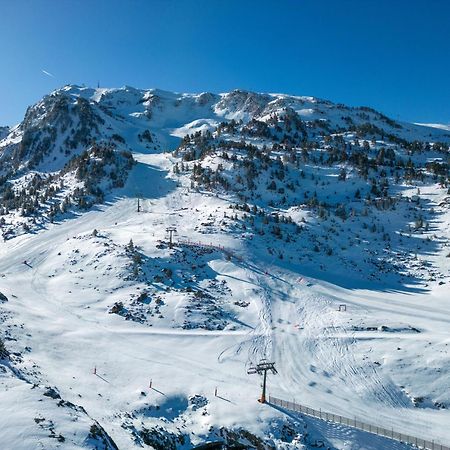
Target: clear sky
{"points": [[393, 55]]}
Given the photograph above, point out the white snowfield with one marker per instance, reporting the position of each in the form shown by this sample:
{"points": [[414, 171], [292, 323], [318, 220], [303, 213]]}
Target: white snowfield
{"points": [[384, 360]]}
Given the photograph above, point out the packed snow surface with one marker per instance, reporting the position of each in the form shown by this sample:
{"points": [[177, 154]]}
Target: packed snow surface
{"points": [[131, 336]]}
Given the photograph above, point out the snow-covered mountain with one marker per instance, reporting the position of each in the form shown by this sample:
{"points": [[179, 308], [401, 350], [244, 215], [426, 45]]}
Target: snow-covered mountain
{"points": [[281, 208], [64, 122]]}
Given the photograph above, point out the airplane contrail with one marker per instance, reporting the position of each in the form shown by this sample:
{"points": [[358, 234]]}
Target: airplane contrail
{"points": [[47, 73]]}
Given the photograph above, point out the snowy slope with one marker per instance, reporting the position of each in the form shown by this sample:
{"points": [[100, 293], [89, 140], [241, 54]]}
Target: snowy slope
{"points": [[134, 337], [436, 125]]}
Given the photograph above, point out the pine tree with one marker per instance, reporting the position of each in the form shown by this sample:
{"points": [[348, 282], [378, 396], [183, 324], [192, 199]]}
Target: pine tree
{"points": [[3, 351]]}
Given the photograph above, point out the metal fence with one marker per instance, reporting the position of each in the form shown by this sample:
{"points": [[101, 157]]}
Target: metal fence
{"points": [[212, 246], [335, 418]]}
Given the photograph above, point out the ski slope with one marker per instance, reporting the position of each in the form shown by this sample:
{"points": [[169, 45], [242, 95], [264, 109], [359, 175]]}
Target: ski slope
{"points": [[138, 339], [322, 361]]}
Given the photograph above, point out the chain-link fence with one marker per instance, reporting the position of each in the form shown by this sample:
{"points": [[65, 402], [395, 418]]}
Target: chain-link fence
{"points": [[391, 434]]}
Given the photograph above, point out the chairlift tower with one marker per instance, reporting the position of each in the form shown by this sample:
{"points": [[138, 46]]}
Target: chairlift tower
{"points": [[261, 369], [139, 200], [171, 230]]}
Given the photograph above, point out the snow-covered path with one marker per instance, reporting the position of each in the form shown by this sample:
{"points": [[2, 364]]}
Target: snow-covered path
{"points": [[326, 363]]}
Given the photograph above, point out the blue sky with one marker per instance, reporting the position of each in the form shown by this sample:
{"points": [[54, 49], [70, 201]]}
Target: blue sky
{"points": [[392, 55]]}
